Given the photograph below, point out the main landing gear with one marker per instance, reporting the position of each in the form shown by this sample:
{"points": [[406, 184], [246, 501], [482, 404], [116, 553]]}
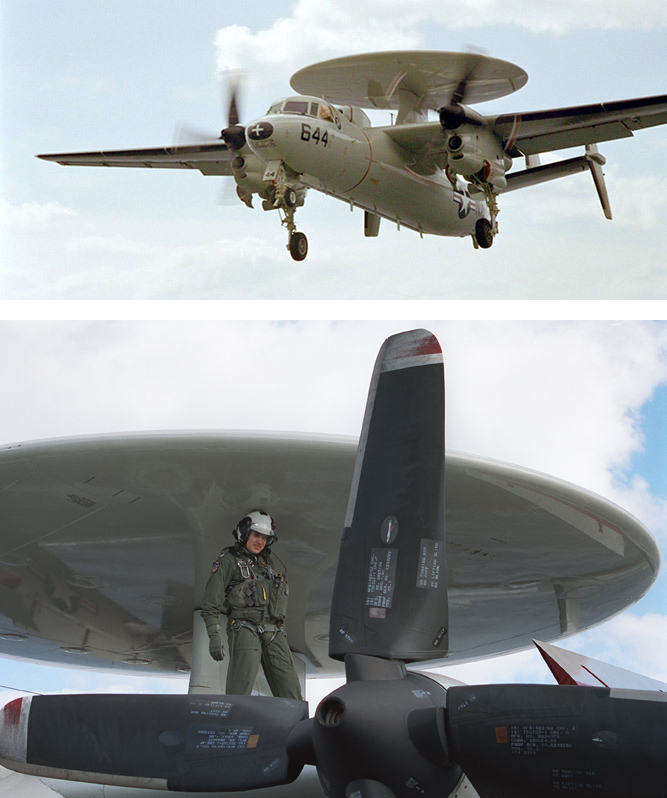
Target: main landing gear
{"points": [[485, 230], [483, 234]]}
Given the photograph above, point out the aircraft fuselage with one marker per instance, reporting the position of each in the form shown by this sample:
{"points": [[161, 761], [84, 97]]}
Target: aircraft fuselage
{"points": [[364, 167]]}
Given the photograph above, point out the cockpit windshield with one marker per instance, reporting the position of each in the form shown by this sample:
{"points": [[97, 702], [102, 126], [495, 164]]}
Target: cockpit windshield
{"points": [[304, 107]]}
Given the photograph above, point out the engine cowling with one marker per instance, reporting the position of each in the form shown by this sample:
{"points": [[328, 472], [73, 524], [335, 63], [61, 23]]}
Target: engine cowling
{"points": [[476, 154]]}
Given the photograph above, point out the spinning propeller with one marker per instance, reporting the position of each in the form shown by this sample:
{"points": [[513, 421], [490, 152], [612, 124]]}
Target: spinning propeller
{"points": [[387, 732], [234, 134], [453, 114]]}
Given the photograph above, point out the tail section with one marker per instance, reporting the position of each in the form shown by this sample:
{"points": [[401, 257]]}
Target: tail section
{"points": [[536, 173]]}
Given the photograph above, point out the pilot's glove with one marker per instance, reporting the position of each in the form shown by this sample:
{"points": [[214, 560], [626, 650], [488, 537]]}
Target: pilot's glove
{"points": [[215, 647]]}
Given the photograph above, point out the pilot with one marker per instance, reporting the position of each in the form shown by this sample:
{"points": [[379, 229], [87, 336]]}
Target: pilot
{"points": [[246, 586]]}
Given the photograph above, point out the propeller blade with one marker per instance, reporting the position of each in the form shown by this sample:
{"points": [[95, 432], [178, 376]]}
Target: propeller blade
{"points": [[234, 134], [185, 134], [523, 740], [233, 113], [169, 742], [390, 593], [452, 114]]}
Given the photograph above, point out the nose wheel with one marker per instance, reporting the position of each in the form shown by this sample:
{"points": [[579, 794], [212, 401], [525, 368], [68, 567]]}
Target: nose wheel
{"points": [[297, 243]]}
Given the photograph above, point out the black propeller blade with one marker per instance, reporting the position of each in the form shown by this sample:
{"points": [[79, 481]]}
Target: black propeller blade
{"points": [[234, 134], [390, 595], [168, 742], [523, 740], [453, 114]]}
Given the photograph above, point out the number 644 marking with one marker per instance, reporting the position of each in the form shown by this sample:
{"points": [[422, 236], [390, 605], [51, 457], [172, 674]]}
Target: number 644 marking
{"points": [[316, 135]]}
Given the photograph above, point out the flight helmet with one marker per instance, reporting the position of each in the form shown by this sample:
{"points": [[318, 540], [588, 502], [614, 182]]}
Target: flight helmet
{"points": [[257, 521]]}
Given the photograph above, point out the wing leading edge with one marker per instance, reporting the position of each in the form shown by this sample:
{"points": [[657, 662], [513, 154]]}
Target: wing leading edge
{"points": [[209, 159], [555, 129]]}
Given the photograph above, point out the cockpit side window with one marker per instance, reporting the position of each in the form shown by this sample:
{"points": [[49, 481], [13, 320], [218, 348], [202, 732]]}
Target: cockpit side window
{"points": [[326, 113]]}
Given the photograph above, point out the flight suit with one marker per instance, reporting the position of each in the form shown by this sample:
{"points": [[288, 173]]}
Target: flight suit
{"points": [[253, 595]]}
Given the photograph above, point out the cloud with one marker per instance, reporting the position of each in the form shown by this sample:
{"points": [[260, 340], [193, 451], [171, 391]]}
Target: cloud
{"points": [[562, 398], [316, 30], [629, 641]]}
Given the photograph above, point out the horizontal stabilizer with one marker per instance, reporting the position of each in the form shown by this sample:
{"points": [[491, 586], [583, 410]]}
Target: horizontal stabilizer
{"points": [[169, 742], [571, 668], [545, 172], [534, 175]]}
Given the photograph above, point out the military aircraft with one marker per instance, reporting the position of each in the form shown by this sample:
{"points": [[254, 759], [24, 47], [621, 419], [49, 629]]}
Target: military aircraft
{"points": [[441, 177], [107, 543]]}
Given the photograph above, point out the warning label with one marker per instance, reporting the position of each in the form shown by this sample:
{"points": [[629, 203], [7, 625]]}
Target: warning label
{"points": [[381, 578], [224, 739], [428, 574], [531, 740]]}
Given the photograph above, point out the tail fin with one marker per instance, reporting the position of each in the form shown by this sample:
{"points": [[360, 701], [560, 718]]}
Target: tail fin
{"points": [[595, 163]]}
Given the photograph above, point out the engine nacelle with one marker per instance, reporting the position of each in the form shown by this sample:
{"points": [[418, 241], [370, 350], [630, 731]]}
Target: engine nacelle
{"points": [[477, 155], [248, 172]]}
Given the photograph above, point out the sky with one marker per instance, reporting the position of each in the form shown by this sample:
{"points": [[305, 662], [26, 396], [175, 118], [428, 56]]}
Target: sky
{"points": [[79, 76], [584, 401]]}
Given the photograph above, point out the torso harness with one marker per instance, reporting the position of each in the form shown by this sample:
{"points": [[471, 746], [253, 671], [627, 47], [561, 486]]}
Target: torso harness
{"points": [[257, 602]]}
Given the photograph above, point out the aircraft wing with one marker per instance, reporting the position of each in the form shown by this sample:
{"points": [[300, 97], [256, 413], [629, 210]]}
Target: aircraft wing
{"points": [[559, 128], [543, 131], [209, 159]]}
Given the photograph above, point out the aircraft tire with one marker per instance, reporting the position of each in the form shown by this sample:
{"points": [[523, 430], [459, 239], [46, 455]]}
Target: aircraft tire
{"points": [[484, 233], [298, 246], [291, 198]]}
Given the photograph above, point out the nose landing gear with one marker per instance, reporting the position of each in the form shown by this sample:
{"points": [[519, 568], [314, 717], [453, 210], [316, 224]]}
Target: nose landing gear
{"points": [[286, 198], [287, 201]]}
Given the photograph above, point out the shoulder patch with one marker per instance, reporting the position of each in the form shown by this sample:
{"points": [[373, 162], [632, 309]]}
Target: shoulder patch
{"points": [[216, 566]]}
